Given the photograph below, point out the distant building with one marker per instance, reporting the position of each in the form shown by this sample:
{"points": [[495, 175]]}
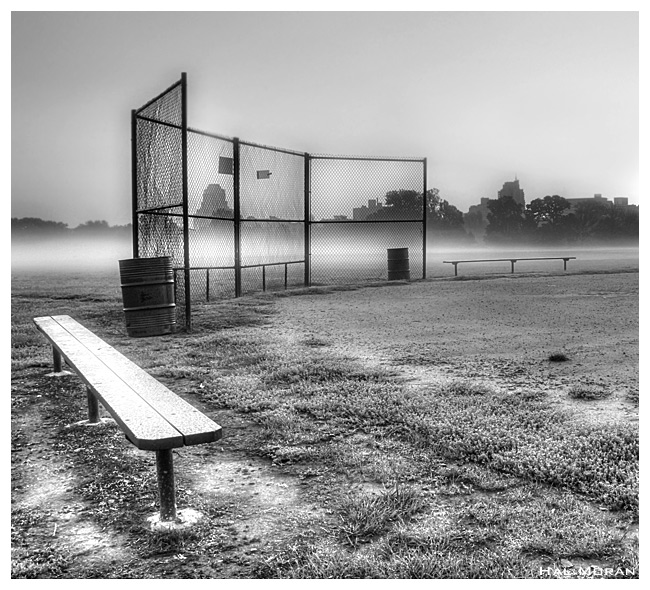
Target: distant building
{"points": [[213, 204], [623, 203], [597, 198], [512, 189], [618, 202], [361, 213], [476, 218]]}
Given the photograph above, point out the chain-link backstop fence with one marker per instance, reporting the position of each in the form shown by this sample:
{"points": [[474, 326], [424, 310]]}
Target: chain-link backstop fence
{"points": [[238, 217]]}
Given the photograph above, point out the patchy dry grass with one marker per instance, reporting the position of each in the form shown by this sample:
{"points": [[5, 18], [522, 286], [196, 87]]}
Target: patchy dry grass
{"points": [[440, 481]]}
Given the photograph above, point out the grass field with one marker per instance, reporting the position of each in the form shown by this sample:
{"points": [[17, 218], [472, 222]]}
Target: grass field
{"points": [[341, 457]]}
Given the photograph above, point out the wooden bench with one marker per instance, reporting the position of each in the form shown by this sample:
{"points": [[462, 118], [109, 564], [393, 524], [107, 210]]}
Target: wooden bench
{"points": [[152, 417], [510, 260]]}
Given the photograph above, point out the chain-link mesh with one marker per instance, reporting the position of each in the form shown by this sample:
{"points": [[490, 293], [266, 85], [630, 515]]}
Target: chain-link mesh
{"points": [[166, 108], [352, 252], [359, 208], [158, 145], [272, 206], [158, 175], [211, 234], [161, 235], [272, 183]]}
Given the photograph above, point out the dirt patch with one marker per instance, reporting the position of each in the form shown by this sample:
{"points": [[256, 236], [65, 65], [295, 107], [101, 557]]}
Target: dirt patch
{"points": [[499, 331], [252, 503]]}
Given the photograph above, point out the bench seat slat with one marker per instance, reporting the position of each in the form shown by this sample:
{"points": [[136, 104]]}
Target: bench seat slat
{"points": [[195, 427], [143, 426]]}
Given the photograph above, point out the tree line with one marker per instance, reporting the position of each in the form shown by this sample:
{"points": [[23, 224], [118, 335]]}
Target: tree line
{"points": [[35, 227], [548, 220], [444, 220], [552, 219]]}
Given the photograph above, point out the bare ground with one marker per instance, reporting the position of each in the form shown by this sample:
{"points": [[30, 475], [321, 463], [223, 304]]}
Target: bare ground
{"points": [[428, 332], [498, 330]]}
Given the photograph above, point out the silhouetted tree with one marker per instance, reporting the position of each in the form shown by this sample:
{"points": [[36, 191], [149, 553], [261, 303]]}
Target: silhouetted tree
{"points": [[443, 219], [475, 223], [549, 209], [547, 220], [401, 204], [407, 204], [597, 221], [586, 219], [442, 215], [506, 220]]}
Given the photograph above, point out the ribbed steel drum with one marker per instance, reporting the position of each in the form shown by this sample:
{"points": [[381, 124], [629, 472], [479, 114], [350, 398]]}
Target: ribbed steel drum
{"points": [[148, 296], [398, 264]]}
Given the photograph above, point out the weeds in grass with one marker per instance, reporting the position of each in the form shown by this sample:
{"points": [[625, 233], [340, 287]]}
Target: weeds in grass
{"points": [[366, 516]]}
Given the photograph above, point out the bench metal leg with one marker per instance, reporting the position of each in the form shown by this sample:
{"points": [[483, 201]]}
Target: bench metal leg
{"points": [[166, 486], [58, 364], [93, 406]]}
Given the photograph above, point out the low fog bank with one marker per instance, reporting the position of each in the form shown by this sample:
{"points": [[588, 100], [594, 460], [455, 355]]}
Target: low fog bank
{"points": [[597, 248], [69, 253], [87, 254], [593, 257]]}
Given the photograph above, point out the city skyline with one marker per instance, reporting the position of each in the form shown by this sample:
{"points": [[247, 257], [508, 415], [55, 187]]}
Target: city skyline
{"points": [[554, 103]]}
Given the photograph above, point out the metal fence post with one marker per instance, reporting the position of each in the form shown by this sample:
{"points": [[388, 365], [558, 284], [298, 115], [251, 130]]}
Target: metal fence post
{"points": [[307, 214], [134, 183], [424, 219], [186, 229], [237, 215]]}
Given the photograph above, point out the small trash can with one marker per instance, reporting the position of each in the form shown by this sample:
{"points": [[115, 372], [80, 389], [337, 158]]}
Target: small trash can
{"points": [[148, 296], [398, 264]]}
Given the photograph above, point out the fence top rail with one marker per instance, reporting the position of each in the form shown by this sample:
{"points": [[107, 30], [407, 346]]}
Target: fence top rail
{"points": [[159, 96], [368, 158], [209, 134], [158, 122], [273, 148], [360, 221], [511, 259]]}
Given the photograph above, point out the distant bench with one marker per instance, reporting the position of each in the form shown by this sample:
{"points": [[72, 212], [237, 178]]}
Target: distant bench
{"points": [[152, 417], [510, 260]]}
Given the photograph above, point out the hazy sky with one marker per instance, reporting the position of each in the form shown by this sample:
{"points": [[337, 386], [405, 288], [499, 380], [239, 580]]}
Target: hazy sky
{"points": [[549, 97]]}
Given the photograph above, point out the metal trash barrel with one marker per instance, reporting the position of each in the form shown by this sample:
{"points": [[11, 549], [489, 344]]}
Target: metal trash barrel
{"points": [[398, 264], [148, 296]]}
